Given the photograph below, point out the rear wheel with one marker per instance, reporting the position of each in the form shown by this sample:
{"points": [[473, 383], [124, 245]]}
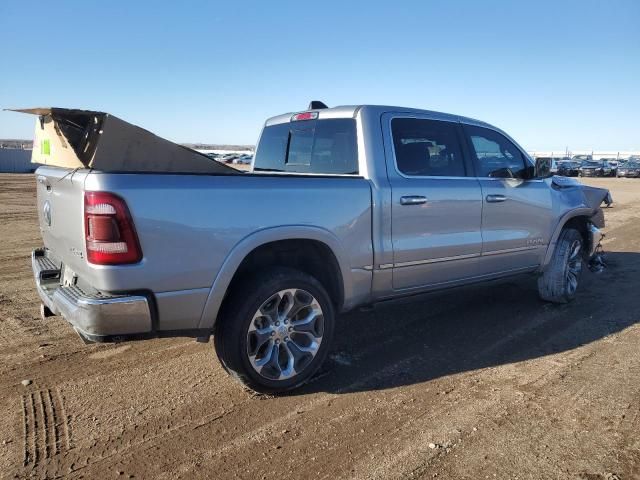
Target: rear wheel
{"points": [[560, 280], [275, 330]]}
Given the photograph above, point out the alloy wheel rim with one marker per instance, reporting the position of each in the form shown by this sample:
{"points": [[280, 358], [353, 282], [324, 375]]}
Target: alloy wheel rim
{"points": [[285, 334], [574, 266]]}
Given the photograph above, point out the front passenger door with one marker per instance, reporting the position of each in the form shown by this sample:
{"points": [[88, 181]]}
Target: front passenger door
{"points": [[516, 213]]}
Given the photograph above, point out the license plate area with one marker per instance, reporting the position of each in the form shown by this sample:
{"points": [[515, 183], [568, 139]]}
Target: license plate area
{"points": [[67, 276]]}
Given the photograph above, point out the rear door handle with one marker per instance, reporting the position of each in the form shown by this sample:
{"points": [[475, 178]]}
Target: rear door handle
{"points": [[413, 200], [496, 198]]}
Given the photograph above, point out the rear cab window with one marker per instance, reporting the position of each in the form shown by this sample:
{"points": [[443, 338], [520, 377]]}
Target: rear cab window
{"points": [[319, 146]]}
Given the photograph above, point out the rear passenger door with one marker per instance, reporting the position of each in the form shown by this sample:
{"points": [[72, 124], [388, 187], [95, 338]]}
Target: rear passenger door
{"points": [[436, 202], [516, 214]]}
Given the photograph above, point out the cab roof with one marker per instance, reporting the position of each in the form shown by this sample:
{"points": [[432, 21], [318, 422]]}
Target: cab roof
{"points": [[351, 111]]}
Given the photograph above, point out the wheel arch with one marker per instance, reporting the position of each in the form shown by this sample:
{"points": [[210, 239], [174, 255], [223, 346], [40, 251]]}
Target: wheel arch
{"points": [[579, 219], [273, 242]]}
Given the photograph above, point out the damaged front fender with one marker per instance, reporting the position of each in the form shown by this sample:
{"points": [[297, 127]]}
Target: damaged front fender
{"points": [[572, 199]]}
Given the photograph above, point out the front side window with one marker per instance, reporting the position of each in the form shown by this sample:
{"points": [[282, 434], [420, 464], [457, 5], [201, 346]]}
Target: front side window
{"points": [[495, 155], [428, 148], [310, 146]]}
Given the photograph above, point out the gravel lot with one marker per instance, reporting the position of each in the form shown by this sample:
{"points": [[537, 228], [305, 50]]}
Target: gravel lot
{"points": [[484, 382]]}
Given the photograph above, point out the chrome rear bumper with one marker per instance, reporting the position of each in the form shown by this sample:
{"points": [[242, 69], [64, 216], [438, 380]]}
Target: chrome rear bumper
{"points": [[96, 317]]}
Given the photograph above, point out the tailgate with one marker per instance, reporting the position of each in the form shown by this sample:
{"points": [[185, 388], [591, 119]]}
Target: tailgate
{"points": [[60, 195]]}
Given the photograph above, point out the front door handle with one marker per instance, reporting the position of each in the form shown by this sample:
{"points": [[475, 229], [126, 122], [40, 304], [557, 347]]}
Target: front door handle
{"points": [[413, 200], [496, 198]]}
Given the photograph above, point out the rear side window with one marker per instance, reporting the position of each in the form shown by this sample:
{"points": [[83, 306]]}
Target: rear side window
{"points": [[309, 146], [427, 148], [496, 155]]}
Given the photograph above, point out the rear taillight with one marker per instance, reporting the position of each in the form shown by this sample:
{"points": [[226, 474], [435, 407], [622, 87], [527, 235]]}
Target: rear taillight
{"points": [[109, 232]]}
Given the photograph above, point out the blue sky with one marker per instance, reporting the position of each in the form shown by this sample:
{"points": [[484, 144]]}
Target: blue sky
{"points": [[551, 73]]}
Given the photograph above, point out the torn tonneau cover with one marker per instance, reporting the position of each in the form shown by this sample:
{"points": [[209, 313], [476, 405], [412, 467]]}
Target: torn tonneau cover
{"points": [[72, 138]]}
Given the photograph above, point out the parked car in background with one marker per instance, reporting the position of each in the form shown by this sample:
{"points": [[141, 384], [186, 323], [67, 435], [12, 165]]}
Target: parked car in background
{"points": [[569, 168], [629, 169], [613, 163], [596, 168], [228, 157], [556, 162], [244, 159]]}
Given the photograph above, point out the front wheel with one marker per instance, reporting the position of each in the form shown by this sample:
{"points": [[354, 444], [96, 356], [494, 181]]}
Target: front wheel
{"points": [[559, 282], [275, 330]]}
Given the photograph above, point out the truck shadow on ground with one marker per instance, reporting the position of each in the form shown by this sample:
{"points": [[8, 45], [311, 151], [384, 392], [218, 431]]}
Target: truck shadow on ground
{"points": [[470, 328]]}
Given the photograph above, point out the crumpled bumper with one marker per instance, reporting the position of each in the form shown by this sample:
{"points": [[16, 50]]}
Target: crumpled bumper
{"points": [[595, 237], [96, 317]]}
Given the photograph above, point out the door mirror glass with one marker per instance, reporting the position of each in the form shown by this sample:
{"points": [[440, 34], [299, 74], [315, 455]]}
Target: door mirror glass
{"points": [[543, 167]]}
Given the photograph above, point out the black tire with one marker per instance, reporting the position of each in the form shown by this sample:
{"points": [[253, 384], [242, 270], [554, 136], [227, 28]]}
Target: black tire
{"points": [[231, 336], [556, 283]]}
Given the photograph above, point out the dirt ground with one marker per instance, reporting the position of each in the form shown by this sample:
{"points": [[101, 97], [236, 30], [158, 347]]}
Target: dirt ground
{"points": [[484, 382]]}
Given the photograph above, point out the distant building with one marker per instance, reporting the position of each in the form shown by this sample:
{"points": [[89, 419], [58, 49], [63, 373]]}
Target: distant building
{"points": [[24, 144], [16, 160]]}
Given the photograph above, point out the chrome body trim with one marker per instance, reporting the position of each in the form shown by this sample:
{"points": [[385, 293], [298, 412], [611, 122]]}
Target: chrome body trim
{"points": [[510, 250], [458, 257], [435, 260]]}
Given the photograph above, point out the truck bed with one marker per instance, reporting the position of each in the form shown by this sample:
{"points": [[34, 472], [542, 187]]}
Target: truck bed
{"points": [[189, 225]]}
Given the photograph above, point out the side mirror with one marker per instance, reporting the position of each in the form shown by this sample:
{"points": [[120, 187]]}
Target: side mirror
{"points": [[542, 168]]}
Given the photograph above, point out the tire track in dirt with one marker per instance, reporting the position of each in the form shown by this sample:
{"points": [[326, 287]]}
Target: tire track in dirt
{"points": [[46, 426], [245, 441], [196, 431]]}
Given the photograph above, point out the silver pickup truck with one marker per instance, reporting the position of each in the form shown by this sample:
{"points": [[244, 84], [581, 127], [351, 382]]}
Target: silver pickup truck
{"points": [[343, 207]]}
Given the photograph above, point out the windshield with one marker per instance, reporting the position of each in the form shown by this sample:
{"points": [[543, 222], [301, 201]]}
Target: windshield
{"points": [[632, 165], [590, 163], [309, 146]]}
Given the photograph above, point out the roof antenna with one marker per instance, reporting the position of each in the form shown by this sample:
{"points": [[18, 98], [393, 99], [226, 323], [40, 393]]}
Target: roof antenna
{"points": [[316, 105]]}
